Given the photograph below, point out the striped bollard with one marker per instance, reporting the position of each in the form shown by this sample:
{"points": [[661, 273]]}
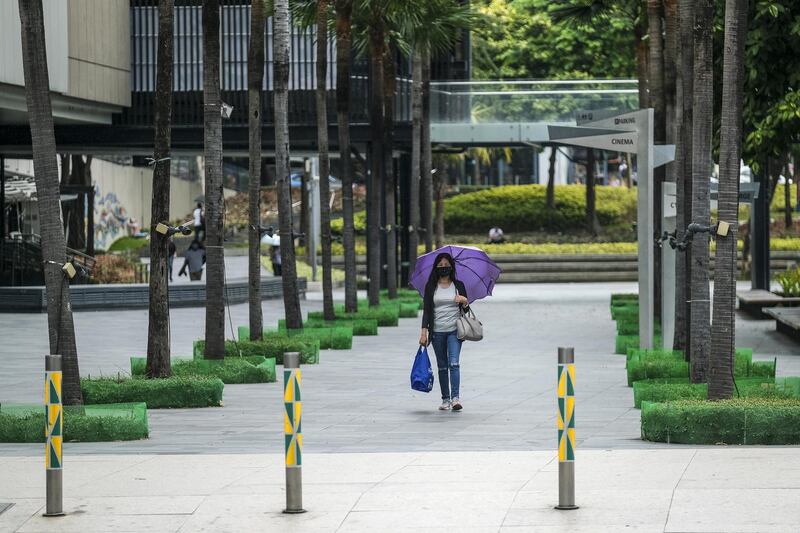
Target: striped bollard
{"points": [[566, 429], [54, 433], [293, 436]]}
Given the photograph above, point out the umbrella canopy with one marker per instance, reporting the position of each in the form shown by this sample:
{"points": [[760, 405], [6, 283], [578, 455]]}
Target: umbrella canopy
{"points": [[473, 268]]}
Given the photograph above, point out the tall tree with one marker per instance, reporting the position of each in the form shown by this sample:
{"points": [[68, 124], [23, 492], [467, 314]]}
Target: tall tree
{"points": [[344, 45], [255, 82], [280, 65], [702, 130], [592, 224], [390, 179], [43, 146], [323, 15], [656, 100], [683, 165], [426, 180], [212, 152], [416, 153], [723, 330], [158, 348]]}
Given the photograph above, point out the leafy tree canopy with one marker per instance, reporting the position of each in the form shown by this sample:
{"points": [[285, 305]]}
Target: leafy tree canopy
{"points": [[520, 39]]}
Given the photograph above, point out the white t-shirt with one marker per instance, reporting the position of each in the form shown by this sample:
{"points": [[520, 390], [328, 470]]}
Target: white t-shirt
{"points": [[445, 309], [198, 217]]}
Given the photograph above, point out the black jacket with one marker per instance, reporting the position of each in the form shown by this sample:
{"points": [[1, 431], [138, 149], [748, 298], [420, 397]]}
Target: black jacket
{"points": [[427, 307]]}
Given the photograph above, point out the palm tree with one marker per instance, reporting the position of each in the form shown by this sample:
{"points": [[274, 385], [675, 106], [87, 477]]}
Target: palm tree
{"points": [[212, 133], [291, 299], [323, 16], [390, 188], [656, 100], [43, 146], [683, 164], [255, 80], [592, 224], [720, 368], [550, 193], [344, 42], [158, 348], [702, 131], [416, 152], [426, 182]]}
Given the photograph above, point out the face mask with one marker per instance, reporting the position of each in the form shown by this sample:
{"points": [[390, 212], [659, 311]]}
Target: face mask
{"points": [[443, 271]]}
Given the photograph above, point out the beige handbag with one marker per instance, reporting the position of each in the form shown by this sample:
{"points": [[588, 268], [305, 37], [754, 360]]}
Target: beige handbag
{"points": [[468, 327]]}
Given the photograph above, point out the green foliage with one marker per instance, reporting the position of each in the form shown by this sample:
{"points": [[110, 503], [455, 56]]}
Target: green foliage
{"points": [[652, 364], [90, 423], [125, 244], [359, 220], [385, 315], [329, 338], [156, 393], [360, 326], [736, 421], [268, 348], [656, 367], [522, 208], [789, 282], [233, 370], [670, 390]]}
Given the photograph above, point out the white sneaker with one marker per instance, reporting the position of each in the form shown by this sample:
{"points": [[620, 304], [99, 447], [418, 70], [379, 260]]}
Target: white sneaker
{"points": [[445, 405], [455, 405]]}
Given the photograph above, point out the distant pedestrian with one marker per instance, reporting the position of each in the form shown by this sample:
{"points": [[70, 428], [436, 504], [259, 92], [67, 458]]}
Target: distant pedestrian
{"points": [[275, 258], [496, 236], [199, 222], [193, 259], [171, 253], [444, 299]]}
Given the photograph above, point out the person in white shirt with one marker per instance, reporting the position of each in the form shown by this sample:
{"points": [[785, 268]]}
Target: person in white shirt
{"points": [[199, 223]]}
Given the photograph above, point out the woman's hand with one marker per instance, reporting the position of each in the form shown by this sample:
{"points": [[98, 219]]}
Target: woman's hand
{"points": [[461, 300], [423, 337]]}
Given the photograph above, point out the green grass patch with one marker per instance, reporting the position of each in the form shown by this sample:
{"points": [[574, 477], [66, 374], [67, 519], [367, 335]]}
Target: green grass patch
{"points": [[89, 423], [670, 390], [360, 326], [174, 392], [232, 371], [387, 315], [623, 343], [268, 348], [335, 338], [655, 364], [125, 244], [737, 421]]}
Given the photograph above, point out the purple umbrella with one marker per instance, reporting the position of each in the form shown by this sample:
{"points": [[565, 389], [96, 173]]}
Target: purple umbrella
{"points": [[473, 268]]}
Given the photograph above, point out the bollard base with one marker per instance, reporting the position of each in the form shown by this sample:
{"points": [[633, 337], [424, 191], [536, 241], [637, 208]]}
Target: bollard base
{"points": [[566, 507], [294, 511], [59, 513]]}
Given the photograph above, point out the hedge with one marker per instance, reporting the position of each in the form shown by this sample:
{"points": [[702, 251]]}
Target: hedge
{"points": [[736, 421], [663, 364], [336, 338], [232, 371], [385, 315], [269, 348], [360, 326], [161, 393], [668, 390], [88, 423], [623, 343]]}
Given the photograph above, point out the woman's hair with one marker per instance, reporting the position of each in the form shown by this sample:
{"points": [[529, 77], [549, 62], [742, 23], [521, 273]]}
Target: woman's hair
{"points": [[433, 278]]}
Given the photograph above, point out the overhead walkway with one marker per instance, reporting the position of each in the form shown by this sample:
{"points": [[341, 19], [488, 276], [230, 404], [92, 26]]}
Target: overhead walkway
{"points": [[510, 113]]}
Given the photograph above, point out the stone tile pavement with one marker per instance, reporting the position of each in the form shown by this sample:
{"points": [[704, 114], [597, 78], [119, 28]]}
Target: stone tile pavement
{"points": [[658, 490]]}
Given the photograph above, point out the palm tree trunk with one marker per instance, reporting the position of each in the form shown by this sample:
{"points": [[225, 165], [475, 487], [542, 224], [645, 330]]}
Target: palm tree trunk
{"points": [[255, 81], [439, 182], [787, 196], [377, 42], [158, 348], [702, 130], [344, 41], [416, 150], [641, 63], [550, 198], [671, 44], [683, 162], [592, 224], [324, 157], [426, 180], [390, 195], [291, 298], [43, 146], [655, 14], [212, 129], [723, 331]]}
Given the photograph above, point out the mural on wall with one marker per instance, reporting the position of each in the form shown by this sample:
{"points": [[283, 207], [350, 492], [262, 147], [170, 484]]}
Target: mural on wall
{"points": [[111, 219]]}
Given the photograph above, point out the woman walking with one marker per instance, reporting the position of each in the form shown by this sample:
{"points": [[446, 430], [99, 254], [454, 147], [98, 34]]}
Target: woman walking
{"points": [[444, 299]]}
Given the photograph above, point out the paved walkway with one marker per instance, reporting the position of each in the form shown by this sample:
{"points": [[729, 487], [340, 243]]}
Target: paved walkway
{"points": [[676, 490], [359, 400]]}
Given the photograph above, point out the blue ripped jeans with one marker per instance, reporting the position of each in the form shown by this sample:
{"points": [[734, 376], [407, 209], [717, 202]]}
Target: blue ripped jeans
{"points": [[448, 350]]}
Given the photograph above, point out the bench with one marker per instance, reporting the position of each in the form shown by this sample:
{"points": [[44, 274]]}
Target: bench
{"points": [[787, 320], [753, 301]]}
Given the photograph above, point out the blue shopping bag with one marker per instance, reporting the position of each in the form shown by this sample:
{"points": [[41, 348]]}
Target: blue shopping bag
{"points": [[421, 372]]}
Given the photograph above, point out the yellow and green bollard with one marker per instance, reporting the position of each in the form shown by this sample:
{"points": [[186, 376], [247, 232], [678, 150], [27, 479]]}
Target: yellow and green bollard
{"points": [[292, 414], [566, 429], [54, 434]]}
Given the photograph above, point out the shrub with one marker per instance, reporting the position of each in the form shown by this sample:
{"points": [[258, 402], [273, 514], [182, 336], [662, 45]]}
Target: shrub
{"points": [[156, 393], [649, 364], [88, 423], [656, 367], [384, 315], [523, 208], [360, 326], [269, 348], [737, 421], [667, 390], [233, 370], [330, 338], [789, 282], [359, 221], [113, 269]]}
